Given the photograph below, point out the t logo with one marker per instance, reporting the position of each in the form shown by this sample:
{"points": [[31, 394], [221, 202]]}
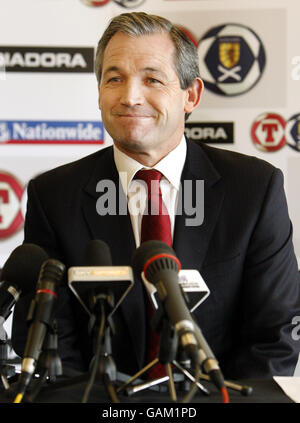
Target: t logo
{"points": [[11, 193], [270, 129], [268, 132], [3, 199]]}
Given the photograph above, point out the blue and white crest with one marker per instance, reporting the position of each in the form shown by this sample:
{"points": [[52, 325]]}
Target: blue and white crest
{"points": [[292, 130], [231, 59]]}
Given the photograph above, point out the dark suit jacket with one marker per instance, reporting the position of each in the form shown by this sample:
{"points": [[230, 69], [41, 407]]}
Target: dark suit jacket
{"points": [[243, 250]]}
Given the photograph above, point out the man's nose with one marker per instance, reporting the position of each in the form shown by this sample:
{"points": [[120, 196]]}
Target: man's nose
{"points": [[132, 94]]}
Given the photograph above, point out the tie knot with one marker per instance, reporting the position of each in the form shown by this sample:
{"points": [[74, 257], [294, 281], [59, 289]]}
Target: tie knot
{"points": [[148, 175]]}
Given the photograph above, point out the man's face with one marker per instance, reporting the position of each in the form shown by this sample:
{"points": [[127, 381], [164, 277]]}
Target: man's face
{"points": [[140, 98]]}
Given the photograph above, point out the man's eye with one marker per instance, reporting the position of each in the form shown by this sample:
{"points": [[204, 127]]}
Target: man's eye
{"points": [[114, 79], [154, 81]]}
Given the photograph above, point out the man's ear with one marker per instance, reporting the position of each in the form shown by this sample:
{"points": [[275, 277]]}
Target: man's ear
{"points": [[193, 97]]}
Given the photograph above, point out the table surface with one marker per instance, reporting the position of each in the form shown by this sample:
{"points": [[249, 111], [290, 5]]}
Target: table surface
{"points": [[71, 390]]}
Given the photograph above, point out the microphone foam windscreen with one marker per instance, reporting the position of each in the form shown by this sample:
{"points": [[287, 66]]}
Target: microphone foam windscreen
{"points": [[97, 253], [23, 266], [147, 250]]}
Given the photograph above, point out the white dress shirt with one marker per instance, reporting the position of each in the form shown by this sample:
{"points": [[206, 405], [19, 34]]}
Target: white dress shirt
{"points": [[171, 168]]}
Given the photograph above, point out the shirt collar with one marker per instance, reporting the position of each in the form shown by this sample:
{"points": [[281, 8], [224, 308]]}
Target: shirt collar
{"points": [[170, 166]]}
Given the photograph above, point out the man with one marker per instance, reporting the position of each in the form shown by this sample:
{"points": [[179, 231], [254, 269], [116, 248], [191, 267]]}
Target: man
{"points": [[148, 85]]}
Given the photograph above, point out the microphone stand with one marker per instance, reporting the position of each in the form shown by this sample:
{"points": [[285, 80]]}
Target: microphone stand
{"points": [[6, 370], [102, 366], [168, 351], [49, 365]]}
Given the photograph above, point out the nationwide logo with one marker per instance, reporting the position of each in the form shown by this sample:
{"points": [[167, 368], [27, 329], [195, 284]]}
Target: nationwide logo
{"points": [[271, 132], [210, 132], [47, 59], [128, 4], [231, 59], [11, 217], [51, 132]]}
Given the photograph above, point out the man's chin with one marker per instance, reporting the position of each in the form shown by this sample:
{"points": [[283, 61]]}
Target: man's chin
{"points": [[130, 145]]}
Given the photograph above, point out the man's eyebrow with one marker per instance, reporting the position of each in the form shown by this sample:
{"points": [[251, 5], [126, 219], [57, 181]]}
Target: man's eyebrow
{"points": [[155, 70], [111, 69], [146, 69]]}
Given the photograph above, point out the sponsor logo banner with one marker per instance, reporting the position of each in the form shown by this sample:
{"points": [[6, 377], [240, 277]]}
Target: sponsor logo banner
{"points": [[11, 192], [210, 132], [128, 4], [268, 132], [292, 132], [271, 132], [51, 132], [47, 59]]}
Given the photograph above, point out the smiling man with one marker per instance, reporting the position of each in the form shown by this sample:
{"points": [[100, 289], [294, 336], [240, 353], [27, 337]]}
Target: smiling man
{"points": [[140, 97], [149, 83]]}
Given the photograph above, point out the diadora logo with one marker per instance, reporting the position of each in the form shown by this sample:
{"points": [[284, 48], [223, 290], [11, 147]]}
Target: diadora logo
{"points": [[47, 59], [51, 132], [210, 132], [11, 217], [271, 132]]}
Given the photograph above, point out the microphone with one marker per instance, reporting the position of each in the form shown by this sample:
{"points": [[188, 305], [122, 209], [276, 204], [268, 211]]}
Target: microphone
{"points": [[193, 287], [40, 316], [105, 286], [99, 277], [97, 253], [160, 266], [19, 275]]}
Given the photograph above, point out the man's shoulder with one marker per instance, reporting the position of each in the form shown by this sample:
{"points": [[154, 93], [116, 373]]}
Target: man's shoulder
{"points": [[228, 162], [77, 170]]}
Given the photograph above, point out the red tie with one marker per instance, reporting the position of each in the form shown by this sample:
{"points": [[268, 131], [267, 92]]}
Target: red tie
{"points": [[155, 226], [156, 221]]}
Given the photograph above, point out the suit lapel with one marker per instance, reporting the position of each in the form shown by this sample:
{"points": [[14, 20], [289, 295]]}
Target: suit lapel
{"points": [[191, 242], [112, 227]]}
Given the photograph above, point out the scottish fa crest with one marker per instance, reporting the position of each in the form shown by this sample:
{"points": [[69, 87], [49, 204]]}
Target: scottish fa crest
{"points": [[293, 132], [231, 59]]}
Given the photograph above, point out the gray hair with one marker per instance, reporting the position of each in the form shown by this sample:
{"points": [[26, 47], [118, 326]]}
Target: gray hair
{"points": [[139, 23]]}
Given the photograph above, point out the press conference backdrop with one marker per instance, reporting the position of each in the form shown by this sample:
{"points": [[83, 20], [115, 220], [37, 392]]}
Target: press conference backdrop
{"points": [[249, 60]]}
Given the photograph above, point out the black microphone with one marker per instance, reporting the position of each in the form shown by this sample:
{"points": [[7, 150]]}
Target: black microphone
{"points": [[192, 285], [99, 277], [19, 275], [105, 286], [160, 266], [41, 314], [97, 253]]}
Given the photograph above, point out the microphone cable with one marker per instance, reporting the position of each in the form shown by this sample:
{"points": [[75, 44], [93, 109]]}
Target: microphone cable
{"points": [[95, 363], [225, 396]]}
